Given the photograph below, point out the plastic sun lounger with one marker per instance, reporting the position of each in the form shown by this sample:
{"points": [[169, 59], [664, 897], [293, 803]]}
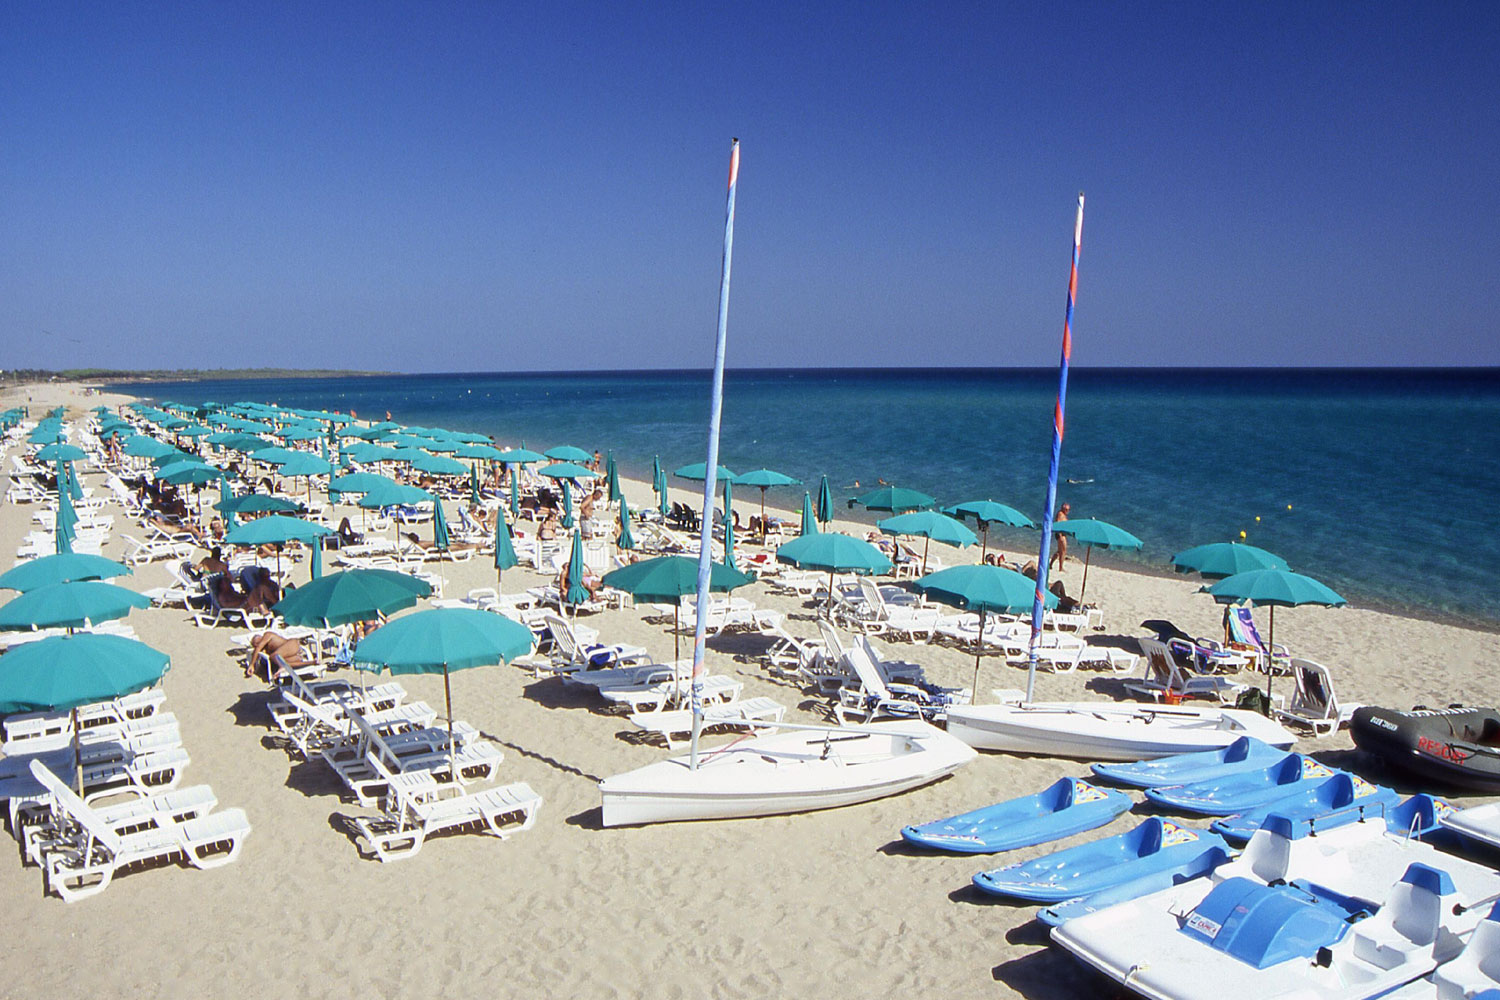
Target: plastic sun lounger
{"points": [[676, 725], [318, 727], [52, 831], [368, 776], [419, 808], [717, 688], [85, 866]]}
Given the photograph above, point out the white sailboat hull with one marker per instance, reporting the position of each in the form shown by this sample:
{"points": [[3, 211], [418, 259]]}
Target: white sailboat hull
{"points": [[785, 772], [1108, 731]]}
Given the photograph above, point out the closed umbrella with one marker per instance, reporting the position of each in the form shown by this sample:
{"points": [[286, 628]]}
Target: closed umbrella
{"points": [[825, 502], [625, 539], [567, 518], [729, 522], [443, 640], [1092, 533], [612, 480], [576, 593], [929, 525], [836, 554], [1274, 588], [63, 526], [986, 513], [985, 589], [809, 519], [505, 551], [659, 484]]}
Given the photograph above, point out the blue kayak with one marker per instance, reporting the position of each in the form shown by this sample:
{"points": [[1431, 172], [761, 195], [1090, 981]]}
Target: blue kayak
{"points": [[1244, 754], [1237, 793], [1335, 801], [1155, 845], [1067, 807], [1144, 885]]}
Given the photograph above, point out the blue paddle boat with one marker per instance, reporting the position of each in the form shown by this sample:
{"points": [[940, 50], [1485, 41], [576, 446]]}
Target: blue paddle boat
{"points": [[1237, 793], [1067, 807], [1343, 798], [1244, 754], [1205, 862], [1156, 845]]}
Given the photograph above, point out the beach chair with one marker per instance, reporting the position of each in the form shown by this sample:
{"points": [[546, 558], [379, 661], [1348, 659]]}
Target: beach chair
{"points": [[675, 725], [892, 671], [886, 613], [418, 808], [1244, 637], [871, 697], [1314, 703], [315, 728], [30, 732], [367, 775], [127, 771], [636, 675], [85, 864], [1164, 679], [52, 831], [717, 689], [573, 650], [792, 656]]}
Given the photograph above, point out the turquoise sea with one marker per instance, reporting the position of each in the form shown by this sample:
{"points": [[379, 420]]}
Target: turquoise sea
{"points": [[1382, 483]]}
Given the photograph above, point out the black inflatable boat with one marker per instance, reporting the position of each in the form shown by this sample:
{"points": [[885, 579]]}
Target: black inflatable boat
{"points": [[1458, 747]]}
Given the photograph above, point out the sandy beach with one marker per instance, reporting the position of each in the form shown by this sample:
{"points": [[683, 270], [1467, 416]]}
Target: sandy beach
{"points": [[819, 905]]}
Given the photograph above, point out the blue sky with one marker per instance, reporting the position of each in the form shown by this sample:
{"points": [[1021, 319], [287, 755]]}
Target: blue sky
{"points": [[440, 187]]}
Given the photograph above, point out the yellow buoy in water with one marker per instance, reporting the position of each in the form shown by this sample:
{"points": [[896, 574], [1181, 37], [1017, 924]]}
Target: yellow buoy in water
{"points": [[1242, 534], [1257, 517]]}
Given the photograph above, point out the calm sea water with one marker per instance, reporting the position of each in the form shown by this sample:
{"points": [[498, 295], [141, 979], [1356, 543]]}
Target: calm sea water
{"points": [[1380, 483]]}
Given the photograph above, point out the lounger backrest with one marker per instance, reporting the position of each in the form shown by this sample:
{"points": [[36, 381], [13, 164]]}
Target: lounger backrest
{"points": [[872, 595], [1315, 686], [869, 676], [1159, 663], [376, 745], [75, 807], [1242, 627], [831, 641], [562, 634]]}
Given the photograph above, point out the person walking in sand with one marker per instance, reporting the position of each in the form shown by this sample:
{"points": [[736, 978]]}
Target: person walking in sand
{"points": [[1060, 542]]}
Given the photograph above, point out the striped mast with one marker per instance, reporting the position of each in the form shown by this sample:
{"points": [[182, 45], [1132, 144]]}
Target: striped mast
{"points": [[1042, 561], [711, 469]]}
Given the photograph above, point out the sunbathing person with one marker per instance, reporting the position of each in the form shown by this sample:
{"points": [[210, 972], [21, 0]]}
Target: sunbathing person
{"points": [[347, 535], [430, 546], [590, 581], [211, 563], [268, 645]]}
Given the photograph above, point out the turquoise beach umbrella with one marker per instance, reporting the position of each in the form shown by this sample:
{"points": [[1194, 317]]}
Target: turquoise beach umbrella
{"points": [[577, 592], [440, 640], [62, 672], [567, 518], [61, 452], [275, 529], [985, 589], [625, 539], [141, 446], [930, 525], [257, 503], [360, 482], [825, 502], [1222, 559], [67, 567], [1092, 533], [809, 519], [1274, 588], [667, 579], [438, 465], [505, 550], [315, 564], [520, 456], [836, 554], [474, 486], [765, 479], [63, 525], [440, 540], [699, 471], [659, 484], [567, 470], [69, 605], [612, 480], [894, 499], [568, 453], [394, 495], [358, 595], [986, 513], [515, 491]]}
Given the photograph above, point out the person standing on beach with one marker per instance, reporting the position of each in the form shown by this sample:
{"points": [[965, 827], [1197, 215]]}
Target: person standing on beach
{"points": [[1060, 542]]}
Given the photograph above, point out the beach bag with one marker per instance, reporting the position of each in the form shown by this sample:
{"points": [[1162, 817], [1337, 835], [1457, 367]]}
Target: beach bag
{"points": [[1254, 700]]}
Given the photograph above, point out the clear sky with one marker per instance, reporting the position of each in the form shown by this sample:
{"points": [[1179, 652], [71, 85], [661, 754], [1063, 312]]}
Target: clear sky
{"points": [[442, 186]]}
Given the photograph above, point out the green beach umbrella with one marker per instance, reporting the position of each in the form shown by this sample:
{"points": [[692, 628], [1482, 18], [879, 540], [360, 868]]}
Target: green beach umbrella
{"points": [[764, 479], [729, 522], [836, 554], [1092, 533], [1274, 588], [257, 503], [625, 539], [809, 518], [474, 497], [986, 513], [567, 470], [667, 579], [61, 452], [612, 480], [930, 525], [189, 473], [505, 550], [1222, 559], [985, 589], [438, 465], [659, 484], [69, 605], [567, 518], [568, 453], [520, 456], [699, 470], [894, 499], [440, 539], [825, 502], [440, 640], [577, 593], [67, 567], [357, 595], [141, 446], [277, 530]]}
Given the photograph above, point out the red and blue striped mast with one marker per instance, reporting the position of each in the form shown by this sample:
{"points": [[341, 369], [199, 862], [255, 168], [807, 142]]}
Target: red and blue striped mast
{"points": [[711, 469], [1038, 607]]}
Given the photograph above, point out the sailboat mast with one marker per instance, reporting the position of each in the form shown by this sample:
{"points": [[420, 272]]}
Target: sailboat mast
{"points": [[1038, 607], [711, 468]]}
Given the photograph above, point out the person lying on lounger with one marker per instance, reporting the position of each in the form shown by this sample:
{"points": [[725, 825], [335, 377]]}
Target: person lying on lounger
{"points": [[267, 645], [429, 546]]}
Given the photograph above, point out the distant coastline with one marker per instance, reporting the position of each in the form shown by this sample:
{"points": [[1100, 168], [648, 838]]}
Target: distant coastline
{"points": [[116, 376]]}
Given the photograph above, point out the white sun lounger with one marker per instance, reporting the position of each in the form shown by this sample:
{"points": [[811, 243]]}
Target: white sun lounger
{"points": [[676, 725], [86, 865], [50, 830], [418, 807]]}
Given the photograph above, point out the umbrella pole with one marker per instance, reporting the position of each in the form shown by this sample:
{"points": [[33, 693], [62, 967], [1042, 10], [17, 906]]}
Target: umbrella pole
{"points": [[1270, 658], [925, 546], [762, 515], [978, 650], [77, 755], [677, 650], [448, 704], [829, 606], [984, 546], [1088, 550]]}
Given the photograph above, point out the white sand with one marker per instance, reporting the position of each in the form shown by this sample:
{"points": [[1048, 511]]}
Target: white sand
{"points": [[818, 905]]}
